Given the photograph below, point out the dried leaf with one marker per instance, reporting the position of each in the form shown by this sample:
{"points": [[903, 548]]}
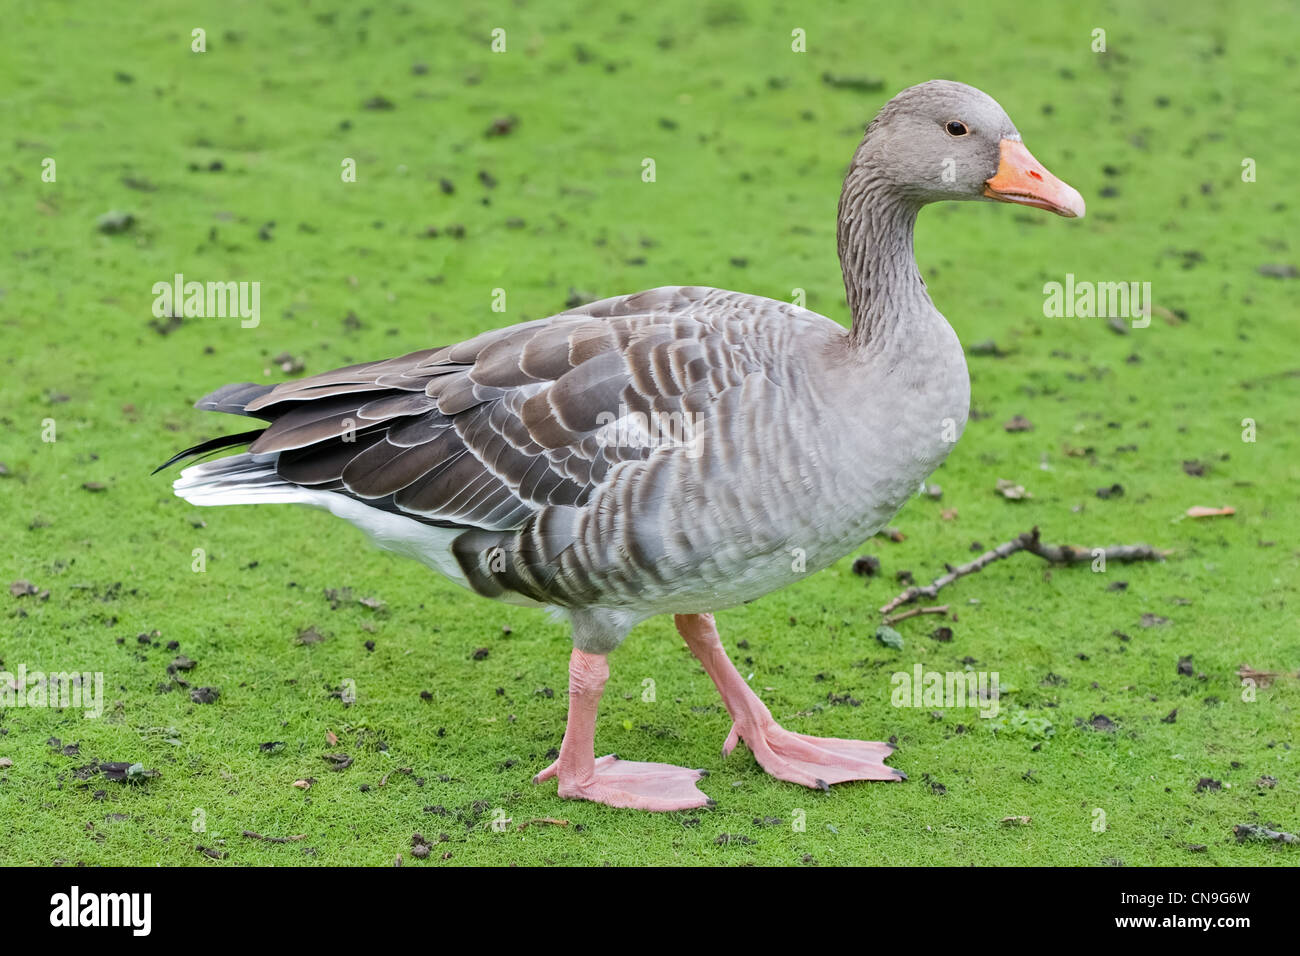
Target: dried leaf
{"points": [[1011, 491], [1261, 678], [550, 820], [1198, 511], [289, 839], [339, 761]]}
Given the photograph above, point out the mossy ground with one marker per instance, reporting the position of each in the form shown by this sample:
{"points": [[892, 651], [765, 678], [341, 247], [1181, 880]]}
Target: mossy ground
{"points": [[749, 142]]}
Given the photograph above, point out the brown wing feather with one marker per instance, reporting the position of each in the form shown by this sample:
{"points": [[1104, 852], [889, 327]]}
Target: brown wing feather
{"points": [[488, 432]]}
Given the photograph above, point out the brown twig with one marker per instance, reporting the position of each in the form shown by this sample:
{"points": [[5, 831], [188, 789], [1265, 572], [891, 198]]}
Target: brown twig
{"points": [[551, 820], [1251, 831], [937, 609], [1028, 541]]}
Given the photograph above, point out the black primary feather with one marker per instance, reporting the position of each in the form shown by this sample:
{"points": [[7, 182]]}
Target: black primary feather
{"points": [[212, 444]]}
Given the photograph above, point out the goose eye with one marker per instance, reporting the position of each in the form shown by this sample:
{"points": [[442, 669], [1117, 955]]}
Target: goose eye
{"points": [[955, 128]]}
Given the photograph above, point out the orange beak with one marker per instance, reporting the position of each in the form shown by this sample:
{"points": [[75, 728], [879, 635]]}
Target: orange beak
{"points": [[1022, 179]]}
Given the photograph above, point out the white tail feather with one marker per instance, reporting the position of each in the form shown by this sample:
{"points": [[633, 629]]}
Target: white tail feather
{"points": [[237, 480], [251, 480]]}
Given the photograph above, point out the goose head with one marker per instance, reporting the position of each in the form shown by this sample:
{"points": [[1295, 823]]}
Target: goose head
{"points": [[948, 141]]}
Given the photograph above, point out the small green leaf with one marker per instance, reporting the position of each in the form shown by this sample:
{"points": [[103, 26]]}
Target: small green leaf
{"points": [[889, 637]]}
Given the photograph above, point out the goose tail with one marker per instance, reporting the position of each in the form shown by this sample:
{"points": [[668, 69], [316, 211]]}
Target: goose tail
{"points": [[243, 479]]}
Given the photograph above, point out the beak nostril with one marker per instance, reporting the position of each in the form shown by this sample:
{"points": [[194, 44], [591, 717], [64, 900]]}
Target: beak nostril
{"points": [[1022, 179]]}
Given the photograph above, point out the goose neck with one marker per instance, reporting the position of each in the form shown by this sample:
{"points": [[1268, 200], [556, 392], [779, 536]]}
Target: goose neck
{"points": [[881, 278]]}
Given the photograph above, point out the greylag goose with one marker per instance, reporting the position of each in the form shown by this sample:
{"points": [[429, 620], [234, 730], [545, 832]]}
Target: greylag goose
{"points": [[678, 451]]}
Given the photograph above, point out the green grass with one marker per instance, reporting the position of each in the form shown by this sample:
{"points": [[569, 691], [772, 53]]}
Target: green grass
{"points": [[749, 145]]}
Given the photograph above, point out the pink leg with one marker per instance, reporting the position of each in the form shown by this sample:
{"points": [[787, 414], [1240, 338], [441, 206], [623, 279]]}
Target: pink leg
{"points": [[811, 761], [614, 782]]}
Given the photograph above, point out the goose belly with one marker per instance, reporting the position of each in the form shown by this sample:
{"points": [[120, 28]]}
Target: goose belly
{"points": [[733, 538]]}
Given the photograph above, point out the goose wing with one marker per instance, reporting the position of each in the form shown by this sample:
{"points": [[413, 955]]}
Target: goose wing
{"points": [[486, 433]]}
